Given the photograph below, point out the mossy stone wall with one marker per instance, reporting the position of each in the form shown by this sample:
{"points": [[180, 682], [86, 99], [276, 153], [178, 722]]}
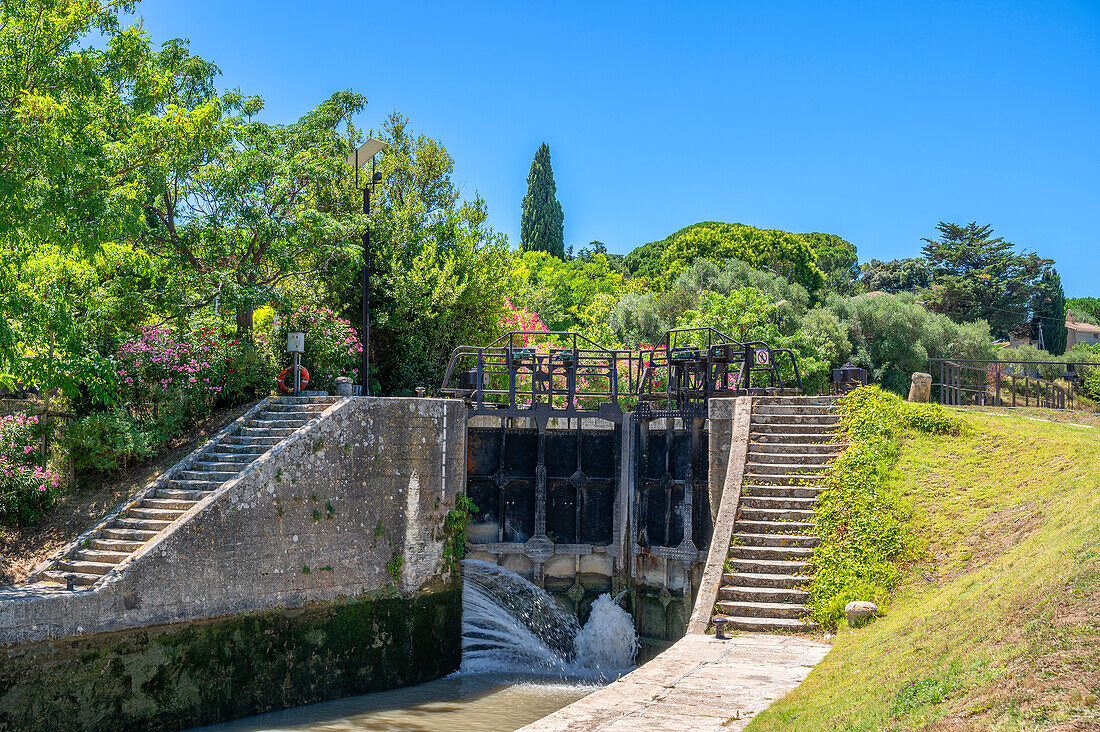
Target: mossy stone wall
{"points": [[182, 675]]}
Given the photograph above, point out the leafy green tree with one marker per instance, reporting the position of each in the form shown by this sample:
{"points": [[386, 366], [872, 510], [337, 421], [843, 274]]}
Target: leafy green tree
{"points": [[837, 259], [1085, 308], [780, 252], [1048, 311], [636, 320], [895, 276], [542, 224], [977, 276]]}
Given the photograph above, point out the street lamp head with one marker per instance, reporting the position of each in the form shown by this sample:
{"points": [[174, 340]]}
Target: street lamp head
{"points": [[365, 152]]}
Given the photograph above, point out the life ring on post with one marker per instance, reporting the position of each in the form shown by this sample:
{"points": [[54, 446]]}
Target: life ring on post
{"points": [[281, 381]]}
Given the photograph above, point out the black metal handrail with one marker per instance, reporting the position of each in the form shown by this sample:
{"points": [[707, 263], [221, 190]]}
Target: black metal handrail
{"points": [[981, 382]]}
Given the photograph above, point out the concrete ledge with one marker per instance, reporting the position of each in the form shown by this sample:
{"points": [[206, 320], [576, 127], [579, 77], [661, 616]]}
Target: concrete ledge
{"points": [[699, 684], [733, 475]]}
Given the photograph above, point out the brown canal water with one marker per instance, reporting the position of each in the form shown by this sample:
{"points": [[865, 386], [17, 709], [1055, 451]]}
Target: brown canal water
{"points": [[460, 702]]}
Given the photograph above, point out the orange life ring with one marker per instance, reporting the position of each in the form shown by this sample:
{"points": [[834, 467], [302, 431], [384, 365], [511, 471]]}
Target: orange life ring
{"points": [[281, 381]]}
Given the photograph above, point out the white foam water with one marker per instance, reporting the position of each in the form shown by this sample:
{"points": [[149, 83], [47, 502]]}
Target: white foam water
{"points": [[510, 625]]}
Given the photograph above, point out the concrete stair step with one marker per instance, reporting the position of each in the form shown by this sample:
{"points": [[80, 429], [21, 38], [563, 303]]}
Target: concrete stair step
{"points": [[326, 400], [831, 449], [79, 580], [128, 535], [194, 485], [256, 428], [736, 593], [229, 468], [174, 504], [757, 579], [779, 502], [736, 608], [761, 479], [784, 553], [784, 437], [771, 540], [750, 526], [254, 441], [66, 566], [180, 495], [824, 400], [159, 514], [799, 468], [781, 491], [764, 625], [208, 476], [769, 566], [795, 420], [116, 545], [789, 408], [774, 514], [295, 411], [153, 526], [240, 459], [104, 556]]}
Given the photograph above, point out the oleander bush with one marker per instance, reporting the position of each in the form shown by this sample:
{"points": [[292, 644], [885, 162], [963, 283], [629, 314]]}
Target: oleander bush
{"points": [[27, 488]]}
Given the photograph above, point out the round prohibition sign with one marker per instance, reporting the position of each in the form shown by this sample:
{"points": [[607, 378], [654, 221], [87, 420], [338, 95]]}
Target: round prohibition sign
{"points": [[763, 358]]}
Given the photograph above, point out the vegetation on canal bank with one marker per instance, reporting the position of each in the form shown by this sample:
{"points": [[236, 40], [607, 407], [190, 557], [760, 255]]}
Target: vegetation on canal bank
{"points": [[995, 623]]}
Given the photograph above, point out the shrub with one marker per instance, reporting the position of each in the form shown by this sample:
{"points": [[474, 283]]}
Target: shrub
{"points": [[860, 522], [26, 488], [107, 441]]}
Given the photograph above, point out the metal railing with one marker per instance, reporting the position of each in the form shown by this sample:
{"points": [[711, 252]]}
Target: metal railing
{"points": [[972, 382]]}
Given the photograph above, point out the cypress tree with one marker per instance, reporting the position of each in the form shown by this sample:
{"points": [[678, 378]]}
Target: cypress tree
{"points": [[1049, 308], [541, 226]]}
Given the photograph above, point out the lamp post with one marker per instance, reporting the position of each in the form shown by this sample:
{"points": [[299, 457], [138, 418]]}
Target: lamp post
{"points": [[359, 158]]}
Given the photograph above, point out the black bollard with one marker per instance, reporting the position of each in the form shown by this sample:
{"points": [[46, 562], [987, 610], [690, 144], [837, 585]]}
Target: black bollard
{"points": [[720, 629], [69, 580]]}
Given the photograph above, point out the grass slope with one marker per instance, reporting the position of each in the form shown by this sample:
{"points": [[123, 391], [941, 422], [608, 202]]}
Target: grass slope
{"points": [[996, 624]]}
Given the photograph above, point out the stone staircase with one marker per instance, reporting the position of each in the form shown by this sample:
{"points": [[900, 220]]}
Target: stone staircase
{"points": [[122, 535], [792, 441]]}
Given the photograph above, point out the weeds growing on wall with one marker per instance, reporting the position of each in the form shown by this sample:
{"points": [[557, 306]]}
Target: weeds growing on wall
{"points": [[863, 536], [457, 521]]}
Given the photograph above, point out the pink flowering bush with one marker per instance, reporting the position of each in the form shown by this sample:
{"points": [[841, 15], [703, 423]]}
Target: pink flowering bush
{"points": [[26, 488], [333, 346]]}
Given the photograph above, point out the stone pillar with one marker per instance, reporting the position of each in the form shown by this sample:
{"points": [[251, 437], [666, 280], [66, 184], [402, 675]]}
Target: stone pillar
{"points": [[343, 386], [920, 388]]}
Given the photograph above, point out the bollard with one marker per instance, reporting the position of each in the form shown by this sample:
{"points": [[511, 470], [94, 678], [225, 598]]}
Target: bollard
{"points": [[720, 629], [421, 391], [920, 388], [69, 580]]}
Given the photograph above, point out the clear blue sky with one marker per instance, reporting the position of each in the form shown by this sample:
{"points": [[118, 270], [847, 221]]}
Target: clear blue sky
{"points": [[869, 120]]}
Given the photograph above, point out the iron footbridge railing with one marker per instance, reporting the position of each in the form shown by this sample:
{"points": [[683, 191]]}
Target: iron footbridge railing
{"points": [[563, 374]]}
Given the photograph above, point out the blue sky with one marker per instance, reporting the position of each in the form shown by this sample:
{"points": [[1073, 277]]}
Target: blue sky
{"points": [[869, 120]]}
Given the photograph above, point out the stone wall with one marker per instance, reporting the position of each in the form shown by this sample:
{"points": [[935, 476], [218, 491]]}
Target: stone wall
{"points": [[348, 513]]}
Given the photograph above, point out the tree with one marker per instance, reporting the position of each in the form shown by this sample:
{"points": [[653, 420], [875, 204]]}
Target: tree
{"points": [[542, 224], [1048, 311], [780, 252], [838, 259], [895, 276], [976, 276]]}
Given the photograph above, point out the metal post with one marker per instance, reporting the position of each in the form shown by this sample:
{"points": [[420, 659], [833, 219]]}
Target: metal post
{"points": [[365, 369]]}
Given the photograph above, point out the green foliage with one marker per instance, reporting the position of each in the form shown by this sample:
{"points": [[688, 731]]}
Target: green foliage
{"points": [[977, 276], [1086, 306], [860, 522], [1048, 310], [895, 276], [454, 529], [893, 336], [636, 320], [26, 487], [395, 566], [781, 252], [837, 259], [542, 223], [107, 441]]}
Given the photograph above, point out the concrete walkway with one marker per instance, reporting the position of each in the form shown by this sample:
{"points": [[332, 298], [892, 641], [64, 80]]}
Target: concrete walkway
{"points": [[698, 684]]}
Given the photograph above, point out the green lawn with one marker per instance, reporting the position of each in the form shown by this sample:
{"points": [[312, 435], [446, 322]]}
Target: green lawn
{"points": [[997, 622]]}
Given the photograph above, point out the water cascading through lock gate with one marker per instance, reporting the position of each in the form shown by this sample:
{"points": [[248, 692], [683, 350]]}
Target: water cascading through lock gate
{"points": [[509, 625]]}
